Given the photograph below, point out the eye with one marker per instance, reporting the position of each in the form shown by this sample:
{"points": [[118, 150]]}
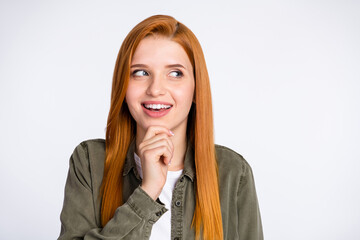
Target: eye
{"points": [[140, 73], [176, 74]]}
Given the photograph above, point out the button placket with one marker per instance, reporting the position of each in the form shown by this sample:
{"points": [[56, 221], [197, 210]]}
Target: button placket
{"points": [[177, 209]]}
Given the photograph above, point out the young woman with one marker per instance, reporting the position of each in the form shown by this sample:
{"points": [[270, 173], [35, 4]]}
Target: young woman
{"points": [[158, 174]]}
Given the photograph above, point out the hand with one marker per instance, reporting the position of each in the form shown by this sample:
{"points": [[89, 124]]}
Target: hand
{"points": [[155, 151]]}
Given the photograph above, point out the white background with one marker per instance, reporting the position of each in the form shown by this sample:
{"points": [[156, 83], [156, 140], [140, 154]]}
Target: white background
{"points": [[286, 91]]}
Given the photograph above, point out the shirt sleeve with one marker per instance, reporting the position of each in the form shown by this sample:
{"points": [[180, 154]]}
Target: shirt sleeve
{"points": [[250, 226], [132, 220]]}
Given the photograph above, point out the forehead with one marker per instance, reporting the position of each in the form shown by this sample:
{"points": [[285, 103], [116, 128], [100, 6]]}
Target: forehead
{"points": [[157, 51]]}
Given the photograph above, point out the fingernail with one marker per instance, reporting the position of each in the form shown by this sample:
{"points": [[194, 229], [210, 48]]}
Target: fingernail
{"points": [[171, 132], [169, 163]]}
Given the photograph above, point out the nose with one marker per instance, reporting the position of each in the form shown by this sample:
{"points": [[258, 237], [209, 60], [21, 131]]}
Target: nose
{"points": [[156, 86]]}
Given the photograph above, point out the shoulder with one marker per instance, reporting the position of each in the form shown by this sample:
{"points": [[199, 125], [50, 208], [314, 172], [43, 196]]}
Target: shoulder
{"points": [[91, 150], [227, 156], [93, 145], [88, 158], [231, 163]]}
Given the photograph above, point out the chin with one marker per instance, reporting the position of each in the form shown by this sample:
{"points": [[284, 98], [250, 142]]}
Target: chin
{"points": [[154, 123]]}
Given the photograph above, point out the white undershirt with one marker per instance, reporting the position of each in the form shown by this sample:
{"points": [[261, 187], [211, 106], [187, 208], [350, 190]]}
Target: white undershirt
{"points": [[162, 228]]}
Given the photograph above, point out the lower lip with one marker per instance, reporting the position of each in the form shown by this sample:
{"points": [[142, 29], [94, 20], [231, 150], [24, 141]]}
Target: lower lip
{"points": [[156, 114]]}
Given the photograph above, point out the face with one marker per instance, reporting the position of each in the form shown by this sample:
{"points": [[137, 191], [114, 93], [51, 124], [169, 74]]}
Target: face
{"points": [[161, 85]]}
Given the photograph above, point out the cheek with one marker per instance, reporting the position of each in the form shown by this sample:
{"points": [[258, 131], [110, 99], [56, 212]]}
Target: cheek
{"points": [[132, 95], [132, 100], [184, 95]]}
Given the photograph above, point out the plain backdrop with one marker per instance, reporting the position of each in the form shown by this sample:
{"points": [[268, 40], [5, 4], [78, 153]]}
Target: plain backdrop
{"points": [[286, 95]]}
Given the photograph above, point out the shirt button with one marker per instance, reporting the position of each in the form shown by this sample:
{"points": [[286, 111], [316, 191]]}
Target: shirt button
{"points": [[178, 203], [158, 214], [182, 179]]}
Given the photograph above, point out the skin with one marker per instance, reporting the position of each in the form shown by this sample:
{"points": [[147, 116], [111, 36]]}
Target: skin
{"points": [[160, 71]]}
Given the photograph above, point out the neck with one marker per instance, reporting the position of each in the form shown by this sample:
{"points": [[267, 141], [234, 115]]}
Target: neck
{"points": [[180, 144]]}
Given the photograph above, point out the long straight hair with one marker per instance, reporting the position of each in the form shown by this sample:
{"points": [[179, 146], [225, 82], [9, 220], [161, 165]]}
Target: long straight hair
{"points": [[121, 127]]}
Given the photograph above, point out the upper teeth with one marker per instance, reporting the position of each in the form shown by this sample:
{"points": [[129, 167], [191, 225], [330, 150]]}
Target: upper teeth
{"points": [[156, 106]]}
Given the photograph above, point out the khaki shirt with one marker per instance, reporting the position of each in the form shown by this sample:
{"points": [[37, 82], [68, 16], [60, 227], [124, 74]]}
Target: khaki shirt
{"points": [[80, 216]]}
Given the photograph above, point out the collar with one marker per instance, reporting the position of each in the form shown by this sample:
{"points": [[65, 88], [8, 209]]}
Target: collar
{"points": [[189, 162]]}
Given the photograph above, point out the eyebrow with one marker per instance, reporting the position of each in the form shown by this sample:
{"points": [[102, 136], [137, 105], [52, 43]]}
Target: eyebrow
{"points": [[167, 66]]}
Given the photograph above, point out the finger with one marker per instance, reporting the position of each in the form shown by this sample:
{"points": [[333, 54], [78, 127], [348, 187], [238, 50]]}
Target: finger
{"points": [[155, 130], [156, 145], [155, 139], [163, 154]]}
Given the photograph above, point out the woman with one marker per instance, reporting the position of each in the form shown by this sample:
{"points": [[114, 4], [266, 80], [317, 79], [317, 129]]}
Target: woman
{"points": [[158, 174]]}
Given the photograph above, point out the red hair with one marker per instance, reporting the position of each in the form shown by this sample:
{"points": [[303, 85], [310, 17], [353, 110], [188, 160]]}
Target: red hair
{"points": [[121, 126]]}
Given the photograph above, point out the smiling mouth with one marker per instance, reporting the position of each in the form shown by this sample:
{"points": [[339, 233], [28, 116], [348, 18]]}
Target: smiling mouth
{"points": [[157, 107]]}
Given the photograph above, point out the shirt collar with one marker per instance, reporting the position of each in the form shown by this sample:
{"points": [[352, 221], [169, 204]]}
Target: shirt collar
{"points": [[189, 163], [130, 161]]}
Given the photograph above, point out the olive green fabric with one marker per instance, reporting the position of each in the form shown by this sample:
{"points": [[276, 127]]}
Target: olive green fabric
{"points": [[80, 216]]}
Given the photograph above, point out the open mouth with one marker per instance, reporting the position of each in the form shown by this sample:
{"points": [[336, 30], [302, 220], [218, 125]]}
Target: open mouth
{"points": [[157, 107]]}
